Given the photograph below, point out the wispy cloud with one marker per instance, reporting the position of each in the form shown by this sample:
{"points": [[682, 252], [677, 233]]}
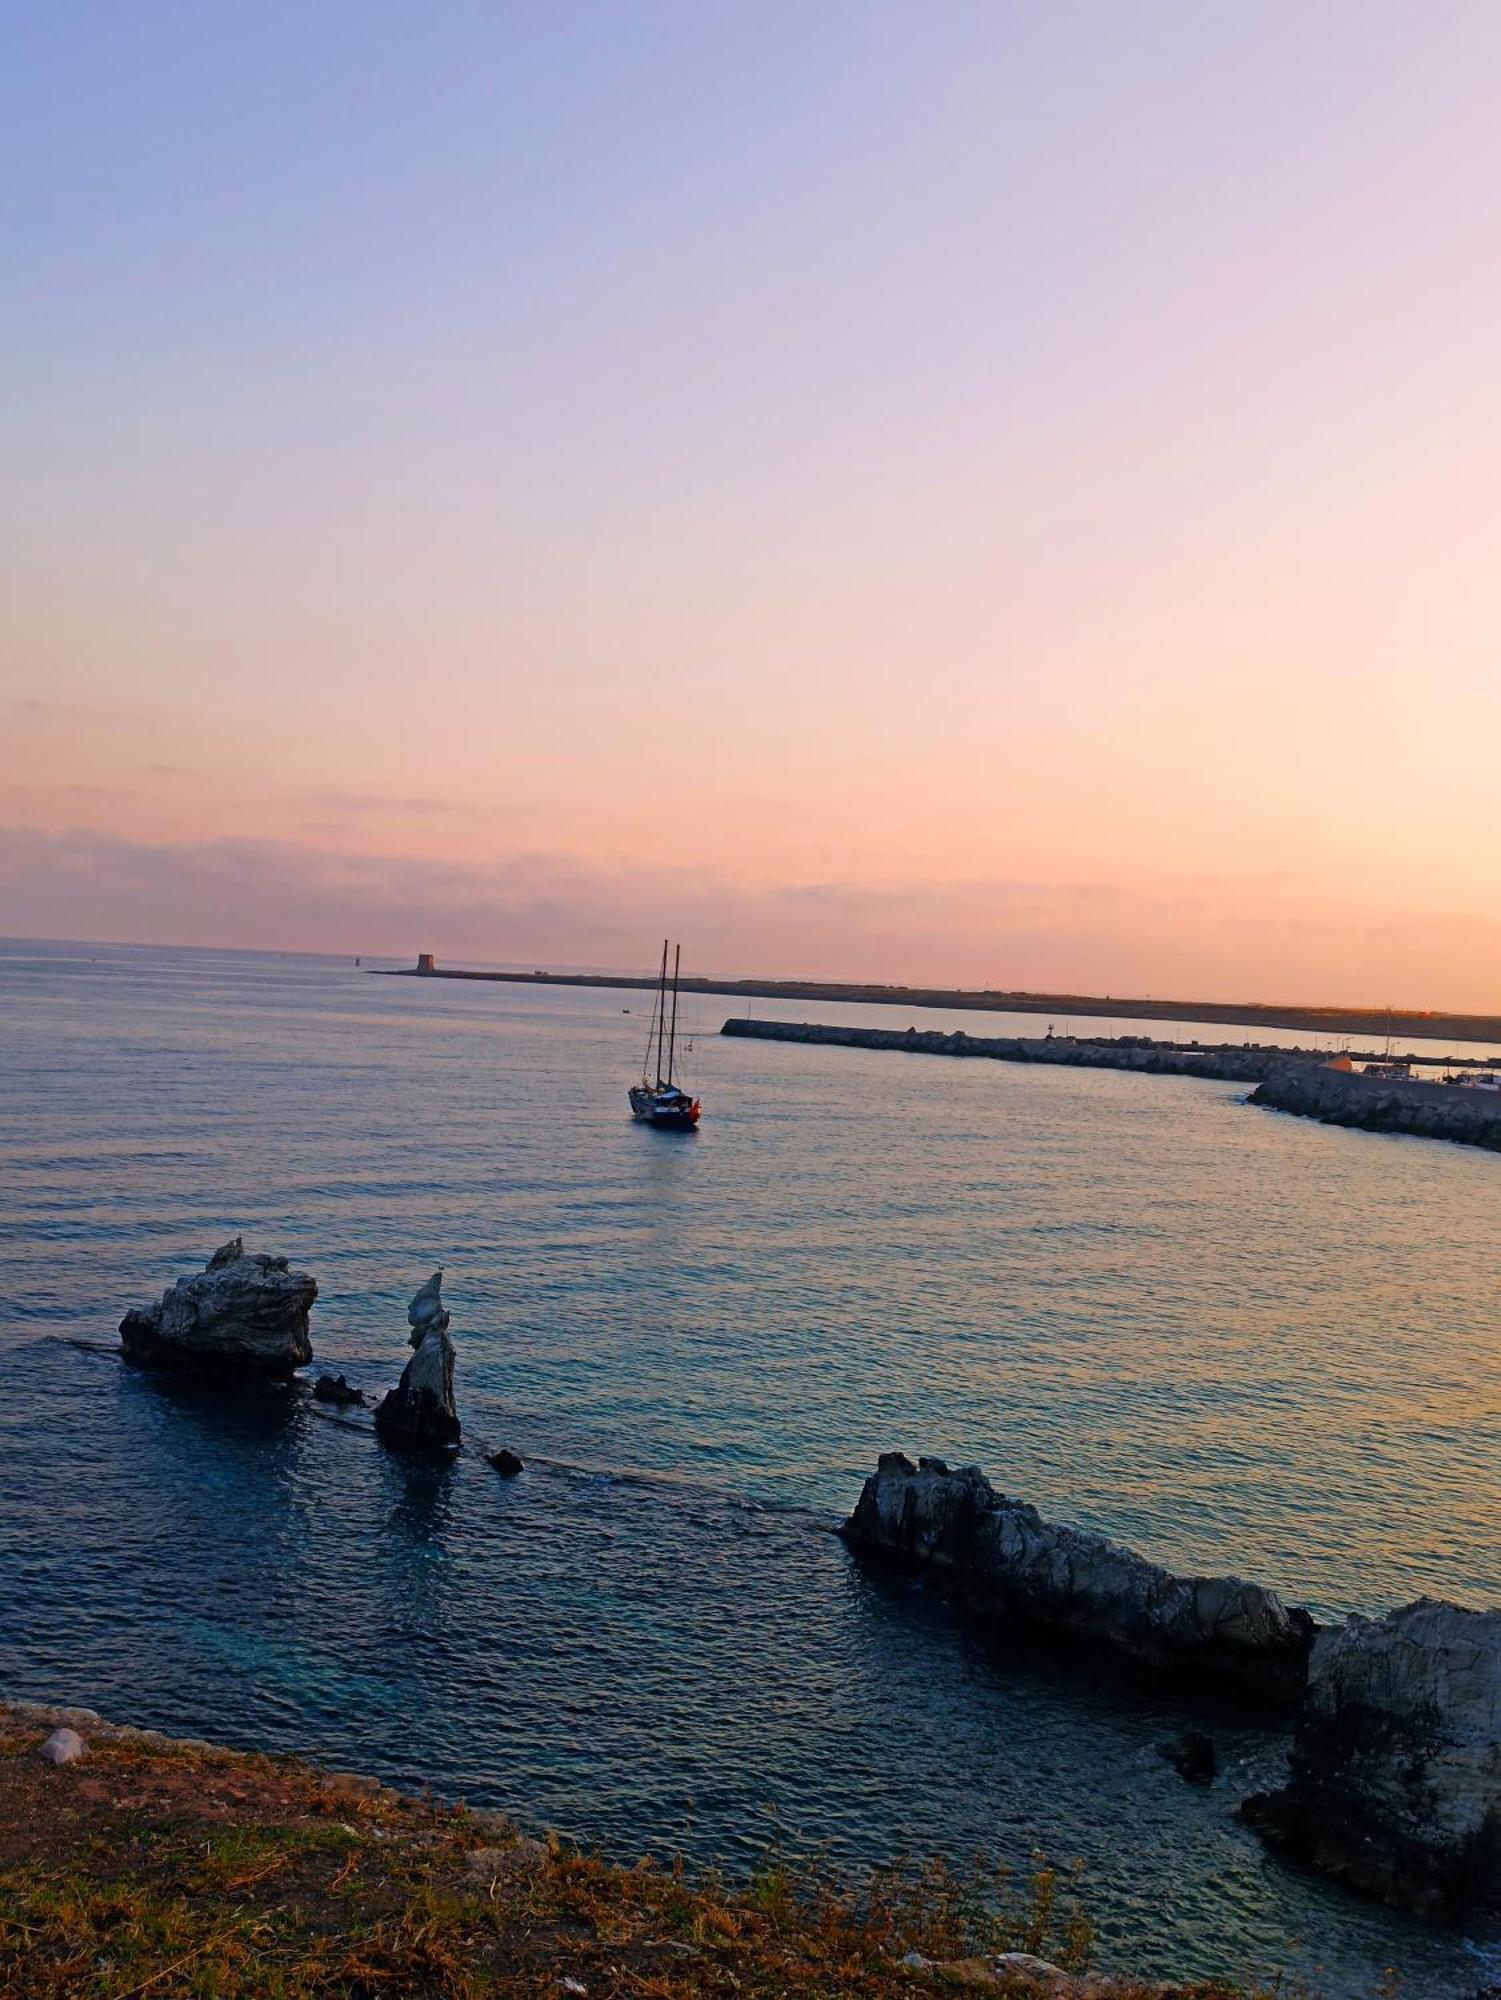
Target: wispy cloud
{"points": [[535, 907], [388, 805]]}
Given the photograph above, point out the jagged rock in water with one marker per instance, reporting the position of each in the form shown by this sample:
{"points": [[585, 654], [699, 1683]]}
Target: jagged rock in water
{"points": [[427, 1310], [1395, 1766], [241, 1315], [334, 1389], [506, 1463], [1010, 1564], [1191, 1756], [419, 1414]]}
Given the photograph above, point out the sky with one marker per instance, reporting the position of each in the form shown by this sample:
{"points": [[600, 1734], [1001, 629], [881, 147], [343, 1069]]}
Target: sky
{"points": [[996, 494]]}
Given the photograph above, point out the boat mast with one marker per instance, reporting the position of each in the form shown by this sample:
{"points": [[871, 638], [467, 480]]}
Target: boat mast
{"points": [[672, 1039], [661, 1009]]}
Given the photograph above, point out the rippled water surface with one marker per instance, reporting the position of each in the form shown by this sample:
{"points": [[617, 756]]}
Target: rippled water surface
{"points": [[1234, 1339]]}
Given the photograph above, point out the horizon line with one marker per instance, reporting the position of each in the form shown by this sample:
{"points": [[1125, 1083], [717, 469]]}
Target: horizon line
{"points": [[855, 989]]}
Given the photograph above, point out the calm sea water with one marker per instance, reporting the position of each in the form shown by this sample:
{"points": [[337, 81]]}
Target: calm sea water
{"points": [[1234, 1339]]}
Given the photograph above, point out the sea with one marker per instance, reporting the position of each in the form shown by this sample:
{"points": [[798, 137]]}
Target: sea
{"points": [[1233, 1339]]}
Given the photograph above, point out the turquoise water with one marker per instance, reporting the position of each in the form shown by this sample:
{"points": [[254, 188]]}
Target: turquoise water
{"points": [[1234, 1339]]}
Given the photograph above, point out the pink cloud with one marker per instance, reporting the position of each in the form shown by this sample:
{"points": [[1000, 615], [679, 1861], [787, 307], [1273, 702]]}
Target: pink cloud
{"points": [[1211, 937]]}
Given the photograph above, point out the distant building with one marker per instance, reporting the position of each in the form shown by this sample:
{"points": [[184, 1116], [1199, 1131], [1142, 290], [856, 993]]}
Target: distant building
{"points": [[426, 962]]}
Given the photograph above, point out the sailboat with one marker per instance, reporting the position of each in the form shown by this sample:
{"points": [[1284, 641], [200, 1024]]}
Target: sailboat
{"points": [[662, 1102]]}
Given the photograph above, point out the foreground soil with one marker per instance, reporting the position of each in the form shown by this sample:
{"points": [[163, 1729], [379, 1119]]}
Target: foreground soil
{"points": [[153, 1867]]}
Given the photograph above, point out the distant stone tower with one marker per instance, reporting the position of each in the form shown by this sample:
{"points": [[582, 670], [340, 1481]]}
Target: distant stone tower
{"points": [[426, 962]]}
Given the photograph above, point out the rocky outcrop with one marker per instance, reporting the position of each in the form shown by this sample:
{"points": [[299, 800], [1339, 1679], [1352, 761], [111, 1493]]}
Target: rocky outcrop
{"points": [[334, 1389], [1192, 1756], [506, 1463], [1395, 1765], [240, 1315], [1469, 1117], [1010, 1564], [419, 1414]]}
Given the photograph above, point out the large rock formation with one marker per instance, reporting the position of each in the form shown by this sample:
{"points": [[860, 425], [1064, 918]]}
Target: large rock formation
{"points": [[1007, 1562], [240, 1315], [419, 1414], [1395, 1766]]}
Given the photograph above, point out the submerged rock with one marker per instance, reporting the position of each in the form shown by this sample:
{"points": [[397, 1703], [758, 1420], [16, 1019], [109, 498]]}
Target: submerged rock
{"points": [[1395, 1766], [506, 1463], [241, 1315], [419, 1414], [334, 1389], [1191, 1756], [1011, 1564]]}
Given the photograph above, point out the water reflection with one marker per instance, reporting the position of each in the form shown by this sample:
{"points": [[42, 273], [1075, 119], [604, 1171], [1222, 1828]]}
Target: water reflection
{"points": [[1137, 1303]]}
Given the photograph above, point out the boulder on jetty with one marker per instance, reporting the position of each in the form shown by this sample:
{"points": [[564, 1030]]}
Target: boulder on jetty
{"points": [[1395, 1765], [241, 1315], [1008, 1563], [419, 1414]]}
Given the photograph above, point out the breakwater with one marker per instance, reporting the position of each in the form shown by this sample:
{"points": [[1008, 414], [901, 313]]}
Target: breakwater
{"points": [[1404, 1023], [1295, 1080], [1228, 1063], [1384, 1104]]}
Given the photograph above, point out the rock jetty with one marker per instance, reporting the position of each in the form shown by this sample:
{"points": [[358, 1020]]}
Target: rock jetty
{"points": [[1395, 1765], [242, 1314], [1385, 1104], [1228, 1063], [419, 1414], [1010, 1564]]}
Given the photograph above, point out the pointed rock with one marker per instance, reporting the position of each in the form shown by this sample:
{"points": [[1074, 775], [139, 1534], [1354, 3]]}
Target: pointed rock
{"points": [[419, 1413], [427, 1310]]}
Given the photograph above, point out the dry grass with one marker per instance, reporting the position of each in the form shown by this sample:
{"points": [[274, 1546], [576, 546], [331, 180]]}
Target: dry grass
{"points": [[151, 1871]]}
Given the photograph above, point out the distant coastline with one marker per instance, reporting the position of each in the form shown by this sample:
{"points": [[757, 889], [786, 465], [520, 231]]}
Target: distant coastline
{"points": [[1372, 1021]]}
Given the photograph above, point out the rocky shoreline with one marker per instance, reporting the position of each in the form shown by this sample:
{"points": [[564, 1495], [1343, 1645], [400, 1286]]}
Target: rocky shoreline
{"points": [[1394, 1775], [1394, 1770]]}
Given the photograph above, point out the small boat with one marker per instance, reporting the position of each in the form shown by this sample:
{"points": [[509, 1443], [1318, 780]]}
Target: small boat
{"points": [[663, 1103]]}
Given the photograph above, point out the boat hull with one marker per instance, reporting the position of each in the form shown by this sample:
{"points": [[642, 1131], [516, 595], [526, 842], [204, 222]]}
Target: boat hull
{"points": [[674, 1114]]}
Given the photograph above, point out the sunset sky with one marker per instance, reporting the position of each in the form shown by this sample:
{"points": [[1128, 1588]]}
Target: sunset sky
{"points": [[979, 493]]}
